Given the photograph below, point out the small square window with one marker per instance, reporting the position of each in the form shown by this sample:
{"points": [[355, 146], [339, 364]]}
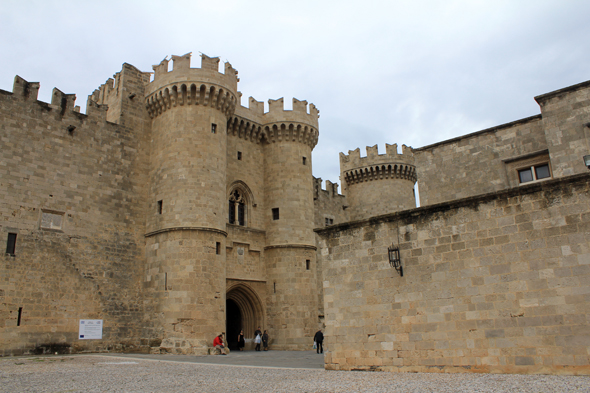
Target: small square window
{"points": [[304, 160], [542, 172], [275, 213], [240, 155], [213, 128], [525, 175], [329, 221], [11, 243], [160, 205]]}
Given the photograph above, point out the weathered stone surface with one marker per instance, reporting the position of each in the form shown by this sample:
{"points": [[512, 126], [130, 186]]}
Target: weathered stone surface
{"points": [[516, 302], [173, 213]]}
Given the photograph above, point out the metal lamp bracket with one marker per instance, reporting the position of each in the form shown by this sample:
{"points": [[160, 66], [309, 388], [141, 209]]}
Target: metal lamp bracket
{"points": [[395, 259]]}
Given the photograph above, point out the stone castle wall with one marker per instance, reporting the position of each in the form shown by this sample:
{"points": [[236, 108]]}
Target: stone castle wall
{"points": [[487, 161], [496, 283], [78, 218], [566, 122], [474, 164]]}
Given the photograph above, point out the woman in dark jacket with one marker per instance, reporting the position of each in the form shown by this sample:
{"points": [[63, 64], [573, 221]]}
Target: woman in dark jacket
{"points": [[265, 340], [241, 340]]}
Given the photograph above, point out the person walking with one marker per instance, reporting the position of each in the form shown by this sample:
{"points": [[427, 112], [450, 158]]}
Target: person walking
{"points": [[218, 344], [241, 340], [257, 338], [319, 340], [265, 340]]}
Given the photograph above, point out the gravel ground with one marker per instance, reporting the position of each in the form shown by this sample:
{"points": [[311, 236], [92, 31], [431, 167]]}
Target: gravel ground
{"points": [[107, 374]]}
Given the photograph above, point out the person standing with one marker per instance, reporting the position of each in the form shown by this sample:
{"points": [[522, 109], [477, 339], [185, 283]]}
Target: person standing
{"points": [[257, 338], [218, 344], [319, 340], [265, 340], [241, 340]]}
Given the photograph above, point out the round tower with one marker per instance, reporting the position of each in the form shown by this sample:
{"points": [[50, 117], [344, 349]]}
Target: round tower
{"points": [[378, 184], [185, 249], [290, 242]]}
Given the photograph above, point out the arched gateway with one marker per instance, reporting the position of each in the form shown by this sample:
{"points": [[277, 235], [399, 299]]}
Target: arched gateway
{"points": [[244, 311]]}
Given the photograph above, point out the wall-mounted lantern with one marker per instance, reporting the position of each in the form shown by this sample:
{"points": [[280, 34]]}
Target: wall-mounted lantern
{"points": [[395, 259], [587, 161]]}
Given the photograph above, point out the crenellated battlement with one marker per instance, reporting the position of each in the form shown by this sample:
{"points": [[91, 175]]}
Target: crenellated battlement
{"points": [[28, 91], [331, 189], [277, 113], [61, 102], [192, 86], [277, 124], [375, 166]]}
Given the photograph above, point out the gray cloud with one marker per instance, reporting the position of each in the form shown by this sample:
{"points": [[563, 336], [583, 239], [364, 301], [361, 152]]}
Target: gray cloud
{"points": [[406, 72]]}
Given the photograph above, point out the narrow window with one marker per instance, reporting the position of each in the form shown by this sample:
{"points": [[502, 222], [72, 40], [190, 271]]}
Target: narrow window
{"points": [[165, 281], [241, 214], [240, 156], [213, 128], [160, 207], [20, 313], [237, 208], [217, 248], [304, 160], [11, 243], [232, 211], [275, 213], [274, 284], [307, 263]]}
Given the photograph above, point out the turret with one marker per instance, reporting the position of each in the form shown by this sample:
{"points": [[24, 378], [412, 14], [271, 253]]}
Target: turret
{"points": [[378, 184], [290, 252], [186, 224], [291, 136], [190, 108]]}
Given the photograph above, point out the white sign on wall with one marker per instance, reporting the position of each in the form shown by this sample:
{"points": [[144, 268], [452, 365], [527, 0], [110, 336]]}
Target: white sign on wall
{"points": [[90, 329]]}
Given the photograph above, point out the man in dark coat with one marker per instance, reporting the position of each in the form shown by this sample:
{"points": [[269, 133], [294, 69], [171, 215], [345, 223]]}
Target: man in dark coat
{"points": [[319, 340], [257, 340]]}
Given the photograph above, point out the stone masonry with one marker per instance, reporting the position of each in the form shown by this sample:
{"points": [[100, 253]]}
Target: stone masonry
{"points": [[173, 213]]}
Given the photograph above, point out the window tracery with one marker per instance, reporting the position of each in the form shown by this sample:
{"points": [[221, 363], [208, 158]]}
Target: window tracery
{"points": [[237, 208]]}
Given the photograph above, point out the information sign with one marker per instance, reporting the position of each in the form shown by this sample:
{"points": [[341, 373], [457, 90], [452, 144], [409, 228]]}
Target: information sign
{"points": [[90, 329]]}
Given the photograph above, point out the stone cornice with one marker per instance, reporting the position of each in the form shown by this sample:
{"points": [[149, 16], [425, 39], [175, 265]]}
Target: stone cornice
{"points": [[172, 229]]}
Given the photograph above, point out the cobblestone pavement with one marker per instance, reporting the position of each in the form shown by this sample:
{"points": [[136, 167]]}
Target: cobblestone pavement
{"points": [[132, 373]]}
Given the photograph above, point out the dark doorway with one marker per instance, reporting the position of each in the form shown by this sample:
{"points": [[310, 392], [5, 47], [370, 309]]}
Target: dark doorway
{"points": [[233, 324]]}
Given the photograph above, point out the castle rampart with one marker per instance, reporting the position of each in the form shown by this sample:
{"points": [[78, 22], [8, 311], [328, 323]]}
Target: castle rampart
{"points": [[77, 219]]}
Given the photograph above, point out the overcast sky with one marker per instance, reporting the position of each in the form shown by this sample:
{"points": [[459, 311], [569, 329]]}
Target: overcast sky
{"points": [[406, 72]]}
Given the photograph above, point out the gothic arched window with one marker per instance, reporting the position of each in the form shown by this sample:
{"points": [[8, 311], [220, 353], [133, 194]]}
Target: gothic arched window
{"points": [[237, 208]]}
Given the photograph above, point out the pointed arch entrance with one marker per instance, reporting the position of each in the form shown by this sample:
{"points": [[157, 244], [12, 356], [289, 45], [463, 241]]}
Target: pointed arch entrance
{"points": [[244, 311]]}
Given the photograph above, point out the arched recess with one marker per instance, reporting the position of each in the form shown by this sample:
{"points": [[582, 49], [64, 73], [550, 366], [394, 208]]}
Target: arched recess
{"points": [[241, 200], [244, 304]]}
